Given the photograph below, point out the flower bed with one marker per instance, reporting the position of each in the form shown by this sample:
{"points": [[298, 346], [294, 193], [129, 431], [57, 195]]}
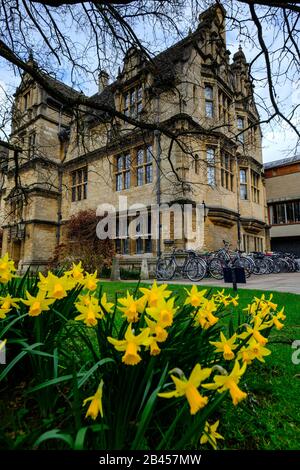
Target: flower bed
{"points": [[142, 372]]}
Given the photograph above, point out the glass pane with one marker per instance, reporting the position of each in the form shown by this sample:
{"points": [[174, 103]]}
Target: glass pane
{"points": [[132, 97], [127, 161], [210, 155], [126, 246], [73, 194], [140, 157], [208, 92], [297, 211], [243, 176], [139, 107], [240, 123], [243, 191], [139, 93], [139, 245], [209, 109], [280, 213], [127, 180], [119, 182], [149, 154], [120, 163], [211, 176], [79, 193], [148, 245], [79, 176], [149, 174], [290, 212], [140, 176], [85, 173], [74, 178], [84, 190]]}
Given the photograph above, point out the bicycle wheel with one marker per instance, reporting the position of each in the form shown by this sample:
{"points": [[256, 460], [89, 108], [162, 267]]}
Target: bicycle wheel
{"points": [[215, 268], [244, 263], [165, 268], [195, 269], [261, 266]]}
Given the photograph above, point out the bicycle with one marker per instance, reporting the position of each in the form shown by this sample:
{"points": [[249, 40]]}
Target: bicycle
{"points": [[192, 267]]}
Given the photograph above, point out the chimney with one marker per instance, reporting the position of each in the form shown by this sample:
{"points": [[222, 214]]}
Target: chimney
{"points": [[102, 80]]}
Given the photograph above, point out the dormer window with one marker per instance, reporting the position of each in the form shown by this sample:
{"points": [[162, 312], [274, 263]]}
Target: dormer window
{"points": [[133, 101]]}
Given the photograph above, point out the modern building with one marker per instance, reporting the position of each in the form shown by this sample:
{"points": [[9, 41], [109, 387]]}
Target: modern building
{"points": [[283, 197], [73, 161]]}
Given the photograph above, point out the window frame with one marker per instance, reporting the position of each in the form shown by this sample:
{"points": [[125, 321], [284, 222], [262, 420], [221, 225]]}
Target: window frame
{"points": [[79, 187], [255, 191], [243, 184], [227, 172], [209, 100], [123, 172], [133, 100], [144, 166], [211, 166], [241, 136]]}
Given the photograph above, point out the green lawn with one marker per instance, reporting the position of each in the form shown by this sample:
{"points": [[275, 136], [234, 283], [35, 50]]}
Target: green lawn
{"points": [[270, 418]]}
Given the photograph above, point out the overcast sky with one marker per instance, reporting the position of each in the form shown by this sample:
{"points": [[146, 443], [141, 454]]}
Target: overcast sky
{"points": [[278, 141]]}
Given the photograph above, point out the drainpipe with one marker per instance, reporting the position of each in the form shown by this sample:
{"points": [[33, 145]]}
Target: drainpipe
{"points": [[158, 179], [60, 181], [238, 203]]}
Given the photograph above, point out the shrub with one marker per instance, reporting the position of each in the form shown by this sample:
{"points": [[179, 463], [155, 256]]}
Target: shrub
{"points": [[82, 244], [143, 372]]}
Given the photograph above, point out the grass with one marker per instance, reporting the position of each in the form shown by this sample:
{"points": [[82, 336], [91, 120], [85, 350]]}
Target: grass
{"points": [[270, 418]]}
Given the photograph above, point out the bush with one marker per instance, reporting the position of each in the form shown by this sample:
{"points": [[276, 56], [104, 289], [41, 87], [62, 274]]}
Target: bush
{"points": [[82, 244], [144, 372]]}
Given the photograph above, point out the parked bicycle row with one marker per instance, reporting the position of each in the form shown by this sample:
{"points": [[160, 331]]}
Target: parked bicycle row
{"points": [[195, 266]]}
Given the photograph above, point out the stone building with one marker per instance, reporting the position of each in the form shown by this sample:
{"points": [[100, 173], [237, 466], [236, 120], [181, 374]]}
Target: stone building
{"points": [[67, 163], [283, 199]]}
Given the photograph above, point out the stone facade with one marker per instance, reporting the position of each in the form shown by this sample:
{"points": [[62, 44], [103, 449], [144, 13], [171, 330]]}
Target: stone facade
{"points": [[283, 198], [67, 164]]}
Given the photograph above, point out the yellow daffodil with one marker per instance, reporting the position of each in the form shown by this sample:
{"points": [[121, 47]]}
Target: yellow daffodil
{"points": [[230, 382], [129, 308], [8, 302], [155, 294], [204, 316], [3, 343], [56, 287], [210, 434], [3, 312], [108, 306], [226, 346], [90, 281], [255, 331], [195, 297], [90, 310], [254, 350], [189, 388], [76, 272], [163, 313], [132, 345], [37, 304], [7, 269], [156, 329], [226, 300], [96, 406], [154, 348]]}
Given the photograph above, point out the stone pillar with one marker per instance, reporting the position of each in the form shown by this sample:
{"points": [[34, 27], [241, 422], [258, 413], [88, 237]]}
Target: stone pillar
{"points": [[115, 270], [144, 269]]}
